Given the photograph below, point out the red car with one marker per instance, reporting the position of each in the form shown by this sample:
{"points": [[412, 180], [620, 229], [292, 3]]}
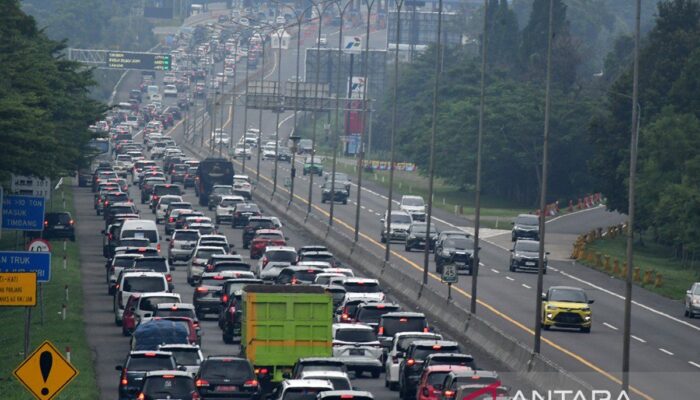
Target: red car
{"points": [[129, 318], [264, 238], [430, 382]]}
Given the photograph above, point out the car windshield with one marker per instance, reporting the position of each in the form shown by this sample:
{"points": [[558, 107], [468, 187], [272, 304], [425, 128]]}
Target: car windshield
{"points": [[189, 236], [372, 314], [235, 370], [146, 363], [413, 201], [394, 325], [223, 190], [458, 243], [151, 235], [400, 219], [355, 335], [528, 220], [124, 262], [186, 356], [144, 284], [248, 208], [114, 210], [281, 256], [530, 246], [213, 281], [166, 189], [168, 386], [158, 265], [362, 287], [231, 266], [337, 382], [306, 275], [167, 200], [302, 393], [568, 295], [207, 253], [150, 303], [697, 290], [261, 224], [229, 202]]}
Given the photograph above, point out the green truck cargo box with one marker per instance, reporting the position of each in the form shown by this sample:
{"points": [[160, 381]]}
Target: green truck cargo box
{"points": [[281, 324]]}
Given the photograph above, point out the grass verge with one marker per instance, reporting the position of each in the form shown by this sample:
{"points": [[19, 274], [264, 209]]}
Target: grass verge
{"points": [[676, 278], [68, 333]]}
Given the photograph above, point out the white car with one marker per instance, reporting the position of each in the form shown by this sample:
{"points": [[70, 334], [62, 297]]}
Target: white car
{"points": [[162, 205], [339, 380], [364, 288], [242, 187], [188, 356], [224, 209], [136, 282], [414, 206], [297, 388], [357, 345], [147, 302], [400, 345], [220, 137], [274, 260], [119, 262], [240, 150], [170, 91], [228, 71]]}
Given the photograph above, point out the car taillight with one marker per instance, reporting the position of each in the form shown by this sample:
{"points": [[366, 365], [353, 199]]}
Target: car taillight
{"points": [[250, 383], [265, 260], [195, 396], [448, 394], [141, 396], [410, 362], [106, 203], [202, 289], [262, 371], [381, 330], [345, 317], [46, 223], [224, 298], [168, 278], [201, 382], [71, 222], [158, 247], [295, 281], [426, 329], [124, 381], [171, 219]]}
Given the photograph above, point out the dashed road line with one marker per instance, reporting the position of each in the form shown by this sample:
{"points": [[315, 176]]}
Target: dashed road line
{"points": [[694, 364], [495, 271], [610, 326], [509, 278], [661, 349], [640, 340], [525, 286]]}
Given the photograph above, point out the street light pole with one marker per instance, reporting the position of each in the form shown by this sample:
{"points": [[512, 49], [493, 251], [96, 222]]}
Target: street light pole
{"points": [[630, 207], [360, 159], [280, 34], [433, 131], [543, 189], [315, 111], [394, 114], [245, 109], [338, 84], [262, 77], [479, 140]]}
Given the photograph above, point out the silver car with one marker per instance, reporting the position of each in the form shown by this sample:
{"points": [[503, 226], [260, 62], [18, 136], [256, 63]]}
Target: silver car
{"points": [[692, 300], [187, 356], [199, 259], [182, 244]]}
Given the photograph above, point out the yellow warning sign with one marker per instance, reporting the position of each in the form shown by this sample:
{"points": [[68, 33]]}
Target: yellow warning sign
{"points": [[18, 289], [45, 372]]}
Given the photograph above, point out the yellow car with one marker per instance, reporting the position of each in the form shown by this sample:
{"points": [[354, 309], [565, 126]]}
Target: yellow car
{"points": [[566, 307]]}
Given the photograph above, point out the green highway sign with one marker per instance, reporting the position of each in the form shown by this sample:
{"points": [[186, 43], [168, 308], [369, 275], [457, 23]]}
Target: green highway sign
{"points": [[140, 61]]}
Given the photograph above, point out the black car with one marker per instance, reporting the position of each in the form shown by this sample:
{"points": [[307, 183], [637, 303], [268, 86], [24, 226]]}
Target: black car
{"points": [[135, 367], [284, 154], [525, 255], [411, 367], [457, 250], [526, 226], [417, 235], [178, 172], [243, 212], [59, 225], [168, 385], [230, 319], [188, 179], [328, 194], [253, 225], [227, 377], [371, 313], [217, 193]]}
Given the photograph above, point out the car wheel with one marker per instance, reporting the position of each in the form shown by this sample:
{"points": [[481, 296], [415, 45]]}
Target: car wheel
{"points": [[375, 374], [117, 322], [511, 268], [345, 201], [382, 239], [393, 386], [690, 314], [586, 330]]}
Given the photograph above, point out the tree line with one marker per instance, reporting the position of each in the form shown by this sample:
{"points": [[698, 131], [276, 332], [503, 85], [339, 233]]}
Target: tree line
{"points": [[45, 108]]}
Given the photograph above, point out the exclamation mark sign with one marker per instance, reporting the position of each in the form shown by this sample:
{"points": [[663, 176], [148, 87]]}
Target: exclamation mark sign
{"points": [[45, 364]]}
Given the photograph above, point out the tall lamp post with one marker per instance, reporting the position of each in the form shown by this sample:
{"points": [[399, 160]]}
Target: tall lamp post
{"points": [[280, 107], [341, 11], [315, 111], [262, 78], [360, 159], [295, 141]]}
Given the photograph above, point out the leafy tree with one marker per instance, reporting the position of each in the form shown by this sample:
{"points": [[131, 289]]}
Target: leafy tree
{"points": [[503, 35]]}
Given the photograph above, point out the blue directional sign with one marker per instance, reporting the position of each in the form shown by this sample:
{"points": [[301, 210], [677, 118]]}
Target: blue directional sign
{"points": [[23, 213], [27, 261]]}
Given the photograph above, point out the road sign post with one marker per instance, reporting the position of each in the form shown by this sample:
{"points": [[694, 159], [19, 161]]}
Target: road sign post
{"points": [[45, 373], [449, 276], [41, 246]]}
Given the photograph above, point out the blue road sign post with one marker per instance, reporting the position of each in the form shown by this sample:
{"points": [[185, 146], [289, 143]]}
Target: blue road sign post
{"points": [[27, 261], [23, 213]]}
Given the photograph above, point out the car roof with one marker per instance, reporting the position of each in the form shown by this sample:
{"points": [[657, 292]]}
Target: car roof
{"points": [[324, 374], [169, 372], [280, 248], [403, 314], [187, 306], [306, 383], [269, 231], [147, 352], [566, 288], [446, 368], [351, 279], [346, 393], [129, 274], [352, 326], [179, 346]]}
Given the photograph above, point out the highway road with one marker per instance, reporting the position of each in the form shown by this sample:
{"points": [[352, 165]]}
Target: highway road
{"points": [[665, 356]]}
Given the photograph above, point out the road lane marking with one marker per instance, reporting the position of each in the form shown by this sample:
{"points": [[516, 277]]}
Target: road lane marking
{"points": [[609, 326], [525, 286], [495, 271], [640, 340], [509, 278], [661, 349], [694, 364]]}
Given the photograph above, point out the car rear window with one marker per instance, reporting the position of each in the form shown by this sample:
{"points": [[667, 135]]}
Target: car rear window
{"points": [[452, 360], [165, 189], [317, 257], [306, 275], [207, 253], [302, 393], [261, 224], [231, 266], [168, 386], [158, 265], [54, 219], [124, 262], [355, 335], [394, 325], [186, 356], [114, 210], [180, 312], [150, 303], [362, 287], [436, 379], [145, 363], [189, 236], [235, 370], [421, 352], [281, 256], [152, 236], [373, 314], [213, 281], [144, 284], [133, 242]]}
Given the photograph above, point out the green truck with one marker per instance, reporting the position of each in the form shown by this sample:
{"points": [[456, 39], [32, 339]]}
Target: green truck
{"points": [[281, 324]]}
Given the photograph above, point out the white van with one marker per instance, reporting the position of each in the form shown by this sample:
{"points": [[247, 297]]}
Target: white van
{"points": [[141, 228], [151, 91]]}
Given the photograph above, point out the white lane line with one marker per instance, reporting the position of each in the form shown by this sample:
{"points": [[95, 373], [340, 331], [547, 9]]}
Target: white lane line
{"points": [[609, 326], [640, 340], [378, 214], [362, 207], [495, 271], [370, 210], [553, 269], [661, 349], [694, 364], [509, 278], [525, 286]]}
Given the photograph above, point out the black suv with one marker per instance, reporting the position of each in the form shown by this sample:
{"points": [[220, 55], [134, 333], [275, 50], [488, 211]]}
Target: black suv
{"points": [[525, 255], [135, 367], [255, 223], [401, 321], [526, 226], [417, 236], [328, 194], [59, 225], [455, 249], [228, 377], [412, 365], [243, 212], [370, 313]]}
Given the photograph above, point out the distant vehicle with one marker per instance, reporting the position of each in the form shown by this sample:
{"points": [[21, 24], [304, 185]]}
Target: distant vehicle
{"points": [[414, 205], [525, 256], [313, 165], [340, 194], [135, 367], [232, 376], [169, 385], [400, 224], [526, 226], [212, 171], [692, 300], [170, 91], [59, 225]]}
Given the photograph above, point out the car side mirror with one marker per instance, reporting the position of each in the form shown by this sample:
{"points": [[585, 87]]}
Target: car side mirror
{"points": [[687, 292], [544, 297], [591, 301], [512, 223], [118, 367]]}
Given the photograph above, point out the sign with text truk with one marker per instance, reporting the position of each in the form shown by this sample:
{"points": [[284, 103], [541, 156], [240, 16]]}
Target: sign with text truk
{"points": [[23, 213], [17, 289], [45, 373], [27, 261]]}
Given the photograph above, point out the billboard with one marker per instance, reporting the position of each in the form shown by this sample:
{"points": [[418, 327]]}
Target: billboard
{"points": [[420, 28], [329, 66]]}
